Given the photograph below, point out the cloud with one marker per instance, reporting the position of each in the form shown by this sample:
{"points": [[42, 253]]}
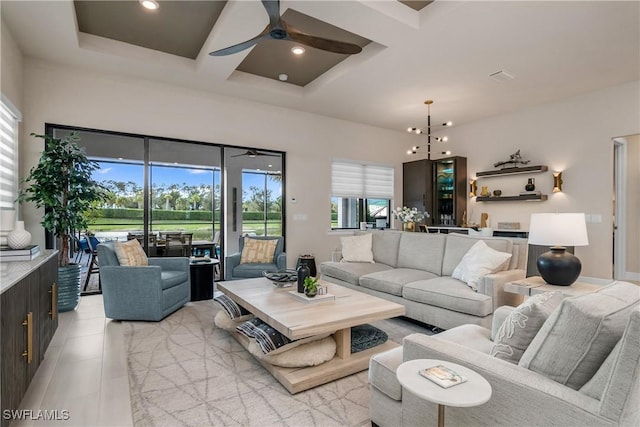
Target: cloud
{"points": [[198, 171], [104, 171]]}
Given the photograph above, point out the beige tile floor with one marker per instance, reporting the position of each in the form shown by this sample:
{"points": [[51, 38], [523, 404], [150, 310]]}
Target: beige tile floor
{"points": [[84, 372]]}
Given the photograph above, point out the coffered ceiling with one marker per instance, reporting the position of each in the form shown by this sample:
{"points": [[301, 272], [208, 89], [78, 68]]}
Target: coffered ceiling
{"points": [[412, 50]]}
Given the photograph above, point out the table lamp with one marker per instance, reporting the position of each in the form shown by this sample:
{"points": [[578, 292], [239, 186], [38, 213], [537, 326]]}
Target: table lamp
{"points": [[558, 267]]}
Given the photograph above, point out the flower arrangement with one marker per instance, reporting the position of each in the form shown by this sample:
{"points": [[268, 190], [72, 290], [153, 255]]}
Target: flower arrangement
{"points": [[406, 214]]}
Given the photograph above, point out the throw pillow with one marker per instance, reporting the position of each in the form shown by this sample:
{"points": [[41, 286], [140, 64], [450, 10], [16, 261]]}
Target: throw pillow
{"points": [[357, 248], [235, 311], [576, 339], [223, 321], [258, 250], [249, 327], [131, 253], [522, 325], [479, 261]]}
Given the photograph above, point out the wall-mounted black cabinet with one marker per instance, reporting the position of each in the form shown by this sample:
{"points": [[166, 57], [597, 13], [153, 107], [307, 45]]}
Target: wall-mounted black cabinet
{"points": [[438, 187]]}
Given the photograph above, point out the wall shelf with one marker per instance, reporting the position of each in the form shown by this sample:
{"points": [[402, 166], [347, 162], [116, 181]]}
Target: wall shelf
{"points": [[513, 171], [528, 197]]}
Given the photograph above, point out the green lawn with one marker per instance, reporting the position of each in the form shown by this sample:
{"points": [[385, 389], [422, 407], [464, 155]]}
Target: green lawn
{"points": [[201, 231]]}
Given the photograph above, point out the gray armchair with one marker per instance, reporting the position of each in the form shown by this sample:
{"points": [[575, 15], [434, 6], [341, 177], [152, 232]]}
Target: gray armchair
{"points": [[235, 270], [143, 293]]}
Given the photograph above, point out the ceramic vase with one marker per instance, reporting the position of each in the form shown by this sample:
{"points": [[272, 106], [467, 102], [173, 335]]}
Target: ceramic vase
{"points": [[409, 226], [19, 238], [303, 273]]}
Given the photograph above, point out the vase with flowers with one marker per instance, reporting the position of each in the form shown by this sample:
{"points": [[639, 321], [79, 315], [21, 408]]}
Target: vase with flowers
{"points": [[409, 217]]}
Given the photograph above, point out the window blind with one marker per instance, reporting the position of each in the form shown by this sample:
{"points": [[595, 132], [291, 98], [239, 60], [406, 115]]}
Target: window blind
{"points": [[8, 154], [355, 180]]}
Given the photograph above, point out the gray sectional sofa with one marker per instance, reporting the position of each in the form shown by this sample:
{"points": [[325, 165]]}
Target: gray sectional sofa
{"points": [[414, 269], [596, 336]]}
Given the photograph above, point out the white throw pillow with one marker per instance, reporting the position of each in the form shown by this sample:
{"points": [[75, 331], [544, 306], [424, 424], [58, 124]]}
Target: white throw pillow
{"points": [[357, 248], [479, 261]]}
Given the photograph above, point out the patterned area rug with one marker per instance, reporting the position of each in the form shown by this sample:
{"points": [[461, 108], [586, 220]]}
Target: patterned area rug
{"points": [[183, 371]]}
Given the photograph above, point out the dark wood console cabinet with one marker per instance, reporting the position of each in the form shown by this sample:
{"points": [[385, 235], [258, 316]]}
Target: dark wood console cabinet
{"points": [[28, 320], [438, 187]]}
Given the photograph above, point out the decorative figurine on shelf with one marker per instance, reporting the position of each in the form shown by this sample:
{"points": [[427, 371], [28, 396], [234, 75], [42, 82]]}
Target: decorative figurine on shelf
{"points": [[497, 193], [485, 191], [515, 159], [484, 220], [531, 184]]}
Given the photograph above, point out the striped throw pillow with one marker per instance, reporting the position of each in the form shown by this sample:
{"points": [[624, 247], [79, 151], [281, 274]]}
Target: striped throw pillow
{"points": [[131, 253]]}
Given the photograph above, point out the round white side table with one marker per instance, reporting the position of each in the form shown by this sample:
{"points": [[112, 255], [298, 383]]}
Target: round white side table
{"points": [[473, 392]]}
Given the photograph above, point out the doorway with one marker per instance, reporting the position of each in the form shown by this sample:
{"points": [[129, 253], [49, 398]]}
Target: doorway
{"points": [[626, 208]]}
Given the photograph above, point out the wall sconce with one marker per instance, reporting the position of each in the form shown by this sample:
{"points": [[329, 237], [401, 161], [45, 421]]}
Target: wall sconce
{"points": [[557, 182], [473, 187]]}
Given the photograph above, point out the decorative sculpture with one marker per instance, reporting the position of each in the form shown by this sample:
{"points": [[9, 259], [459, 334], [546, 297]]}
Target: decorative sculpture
{"points": [[515, 159]]}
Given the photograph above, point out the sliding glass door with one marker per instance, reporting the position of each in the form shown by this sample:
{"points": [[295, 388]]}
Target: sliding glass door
{"points": [[208, 194]]}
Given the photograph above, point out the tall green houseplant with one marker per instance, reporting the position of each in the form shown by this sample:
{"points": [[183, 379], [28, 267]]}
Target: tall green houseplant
{"points": [[62, 184]]}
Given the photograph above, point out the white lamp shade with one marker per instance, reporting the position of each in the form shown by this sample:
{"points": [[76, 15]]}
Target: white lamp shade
{"points": [[558, 229]]}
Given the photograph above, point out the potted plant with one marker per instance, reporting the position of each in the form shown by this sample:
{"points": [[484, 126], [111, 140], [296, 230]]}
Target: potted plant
{"points": [[62, 184], [310, 286]]}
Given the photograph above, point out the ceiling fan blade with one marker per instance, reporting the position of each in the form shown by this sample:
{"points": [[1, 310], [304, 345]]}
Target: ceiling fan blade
{"points": [[240, 46], [273, 10], [334, 46]]}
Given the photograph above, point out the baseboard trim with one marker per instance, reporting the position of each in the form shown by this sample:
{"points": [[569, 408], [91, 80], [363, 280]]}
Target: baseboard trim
{"points": [[630, 275]]}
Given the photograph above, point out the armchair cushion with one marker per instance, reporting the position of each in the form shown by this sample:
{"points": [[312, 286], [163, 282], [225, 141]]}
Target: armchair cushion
{"points": [[584, 330], [131, 253], [258, 251], [171, 278]]}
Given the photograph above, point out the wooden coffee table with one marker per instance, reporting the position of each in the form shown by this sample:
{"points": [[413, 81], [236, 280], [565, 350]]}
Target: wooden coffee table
{"points": [[296, 319]]}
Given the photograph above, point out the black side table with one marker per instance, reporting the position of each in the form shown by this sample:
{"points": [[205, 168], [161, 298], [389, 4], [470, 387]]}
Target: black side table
{"points": [[202, 280]]}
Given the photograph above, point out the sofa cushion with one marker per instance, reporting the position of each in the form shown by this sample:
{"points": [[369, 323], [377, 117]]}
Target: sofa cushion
{"points": [[583, 331], [479, 261], [596, 385], [470, 336], [522, 325], [457, 245], [385, 246], [392, 281], [382, 372], [449, 293], [357, 248], [422, 251], [350, 272], [171, 278], [258, 251]]}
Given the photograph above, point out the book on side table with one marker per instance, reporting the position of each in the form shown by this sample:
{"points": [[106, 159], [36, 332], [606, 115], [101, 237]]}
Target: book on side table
{"points": [[443, 376], [25, 254]]}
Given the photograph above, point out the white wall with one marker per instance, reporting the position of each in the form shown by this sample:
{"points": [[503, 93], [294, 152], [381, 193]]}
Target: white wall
{"points": [[11, 68], [61, 95], [573, 136]]}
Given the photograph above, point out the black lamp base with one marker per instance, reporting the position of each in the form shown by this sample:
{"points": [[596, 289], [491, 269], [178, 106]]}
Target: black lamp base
{"points": [[559, 267]]}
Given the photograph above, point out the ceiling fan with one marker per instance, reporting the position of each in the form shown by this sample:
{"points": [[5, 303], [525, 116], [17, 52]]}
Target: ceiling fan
{"points": [[278, 29], [255, 153]]}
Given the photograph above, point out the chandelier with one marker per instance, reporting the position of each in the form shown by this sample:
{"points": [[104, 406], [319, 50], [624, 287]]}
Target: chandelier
{"points": [[427, 131]]}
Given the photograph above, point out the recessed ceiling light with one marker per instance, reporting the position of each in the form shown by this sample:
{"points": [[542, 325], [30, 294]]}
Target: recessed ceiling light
{"points": [[149, 4], [283, 77], [297, 50]]}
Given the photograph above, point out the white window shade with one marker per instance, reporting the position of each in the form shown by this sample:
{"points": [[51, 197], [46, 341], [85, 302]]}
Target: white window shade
{"points": [[8, 155], [354, 180]]}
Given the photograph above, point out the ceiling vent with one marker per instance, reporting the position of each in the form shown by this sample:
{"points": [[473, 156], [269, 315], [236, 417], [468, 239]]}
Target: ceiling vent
{"points": [[501, 76]]}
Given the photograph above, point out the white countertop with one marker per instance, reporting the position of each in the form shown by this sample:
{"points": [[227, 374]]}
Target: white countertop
{"points": [[11, 272]]}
